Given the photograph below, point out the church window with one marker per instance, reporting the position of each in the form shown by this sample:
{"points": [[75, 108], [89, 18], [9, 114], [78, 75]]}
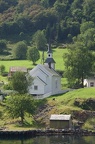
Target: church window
{"points": [[35, 87], [91, 84], [56, 83]]}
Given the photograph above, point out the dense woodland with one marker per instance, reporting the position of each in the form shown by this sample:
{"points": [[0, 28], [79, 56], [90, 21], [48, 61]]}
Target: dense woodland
{"points": [[61, 19]]}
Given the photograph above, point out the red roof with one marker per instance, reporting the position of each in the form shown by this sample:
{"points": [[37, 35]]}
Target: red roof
{"points": [[14, 69]]}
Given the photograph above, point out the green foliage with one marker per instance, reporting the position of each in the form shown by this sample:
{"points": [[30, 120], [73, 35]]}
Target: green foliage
{"points": [[86, 25], [20, 82], [78, 64], [7, 86], [18, 105], [64, 17], [40, 40], [2, 69], [45, 3], [89, 124], [19, 52], [33, 54], [3, 46]]}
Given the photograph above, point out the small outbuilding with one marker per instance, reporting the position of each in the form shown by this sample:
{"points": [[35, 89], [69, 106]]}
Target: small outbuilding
{"points": [[89, 82], [14, 69], [60, 121]]}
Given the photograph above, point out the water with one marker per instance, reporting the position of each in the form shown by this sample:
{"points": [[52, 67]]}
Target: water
{"points": [[53, 140]]}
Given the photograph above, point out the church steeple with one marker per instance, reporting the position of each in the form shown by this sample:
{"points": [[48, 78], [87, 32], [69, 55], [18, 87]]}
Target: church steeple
{"points": [[50, 61]]}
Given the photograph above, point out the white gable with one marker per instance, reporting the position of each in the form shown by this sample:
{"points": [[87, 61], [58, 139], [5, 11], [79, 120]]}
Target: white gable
{"points": [[46, 79]]}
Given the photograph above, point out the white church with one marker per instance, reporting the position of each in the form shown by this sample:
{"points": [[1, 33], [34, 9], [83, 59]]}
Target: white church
{"points": [[46, 80]]}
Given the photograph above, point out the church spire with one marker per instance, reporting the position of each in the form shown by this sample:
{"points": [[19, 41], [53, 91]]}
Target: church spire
{"points": [[50, 61]]}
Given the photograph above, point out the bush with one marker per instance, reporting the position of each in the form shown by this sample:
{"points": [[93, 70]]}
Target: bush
{"points": [[7, 87], [5, 74], [19, 52]]}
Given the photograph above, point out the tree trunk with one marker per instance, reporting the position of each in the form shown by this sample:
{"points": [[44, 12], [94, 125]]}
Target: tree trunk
{"points": [[22, 117], [82, 80]]}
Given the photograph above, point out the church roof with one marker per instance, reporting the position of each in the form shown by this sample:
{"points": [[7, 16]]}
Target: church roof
{"points": [[51, 70], [41, 80], [45, 70], [18, 68], [48, 60]]}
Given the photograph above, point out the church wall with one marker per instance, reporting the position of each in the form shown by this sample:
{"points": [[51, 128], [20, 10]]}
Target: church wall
{"points": [[48, 87], [56, 84], [39, 86]]}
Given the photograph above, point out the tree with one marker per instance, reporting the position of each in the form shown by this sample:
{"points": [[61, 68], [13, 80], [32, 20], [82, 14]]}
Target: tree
{"points": [[3, 46], [86, 25], [45, 3], [78, 64], [2, 69], [40, 40], [33, 54], [87, 36], [18, 105], [20, 82], [19, 52]]}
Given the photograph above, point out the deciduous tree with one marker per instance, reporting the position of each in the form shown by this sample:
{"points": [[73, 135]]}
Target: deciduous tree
{"points": [[20, 82], [40, 40], [78, 64], [33, 54], [19, 52], [18, 105], [2, 69]]}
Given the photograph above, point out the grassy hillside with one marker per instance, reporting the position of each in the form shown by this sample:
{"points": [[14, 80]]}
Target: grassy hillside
{"points": [[57, 55], [59, 104], [69, 98]]}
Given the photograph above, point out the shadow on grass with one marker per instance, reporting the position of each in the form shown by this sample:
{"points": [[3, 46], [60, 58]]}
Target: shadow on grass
{"points": [[26, 124]]}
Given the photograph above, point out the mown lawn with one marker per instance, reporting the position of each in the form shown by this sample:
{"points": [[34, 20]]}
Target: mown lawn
{"points": [[57, 55], [8, 64]]}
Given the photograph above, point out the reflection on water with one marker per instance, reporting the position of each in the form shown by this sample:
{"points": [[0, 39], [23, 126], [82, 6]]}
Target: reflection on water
{"points": [[58, 139]]}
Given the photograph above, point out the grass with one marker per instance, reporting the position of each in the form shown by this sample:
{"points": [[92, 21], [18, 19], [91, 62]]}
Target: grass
{"points": [[89, 124], [24, 63], [57, 55], [65, 102], [83, 93], [61, 104]]}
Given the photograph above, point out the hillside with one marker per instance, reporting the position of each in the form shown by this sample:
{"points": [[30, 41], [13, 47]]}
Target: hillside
{"points": [[60, 104], [70, 103], [20, 19]]}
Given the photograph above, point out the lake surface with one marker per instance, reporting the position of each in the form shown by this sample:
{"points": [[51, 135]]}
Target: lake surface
{"points": [[58, 139]]}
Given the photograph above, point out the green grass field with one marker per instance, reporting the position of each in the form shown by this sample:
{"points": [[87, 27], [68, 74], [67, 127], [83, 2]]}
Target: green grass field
{"points": [[57, 55], [82, 93]]}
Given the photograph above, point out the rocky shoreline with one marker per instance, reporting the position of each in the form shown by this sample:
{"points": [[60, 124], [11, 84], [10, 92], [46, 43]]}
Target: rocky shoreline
{"points": [[47, 132]]}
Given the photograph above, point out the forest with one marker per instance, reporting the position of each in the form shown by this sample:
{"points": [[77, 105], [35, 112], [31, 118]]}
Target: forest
{"points": [[60, 19]]}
